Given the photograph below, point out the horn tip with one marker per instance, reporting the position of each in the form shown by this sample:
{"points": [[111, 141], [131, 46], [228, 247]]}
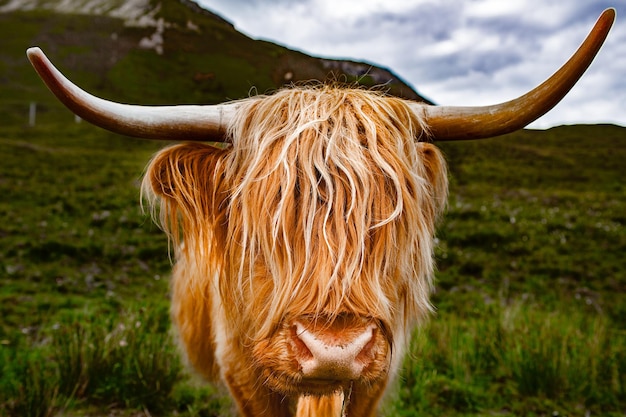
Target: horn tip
{"points": [[609, 14], [34, 53]]}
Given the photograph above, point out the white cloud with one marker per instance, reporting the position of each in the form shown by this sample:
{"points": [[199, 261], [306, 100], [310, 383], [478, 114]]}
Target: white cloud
{"points": [[456, 52], [493, 8]]}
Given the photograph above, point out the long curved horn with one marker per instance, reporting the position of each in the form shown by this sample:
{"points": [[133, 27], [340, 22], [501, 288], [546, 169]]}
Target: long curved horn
{"points": [[194, 123], [457, 123]]}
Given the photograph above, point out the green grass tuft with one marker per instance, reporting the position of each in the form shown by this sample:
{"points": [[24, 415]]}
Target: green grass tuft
{"points": [[515, 359]]}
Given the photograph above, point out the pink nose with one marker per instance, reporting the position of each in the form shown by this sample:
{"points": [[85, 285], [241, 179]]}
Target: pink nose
{"points": [[331, 356]]}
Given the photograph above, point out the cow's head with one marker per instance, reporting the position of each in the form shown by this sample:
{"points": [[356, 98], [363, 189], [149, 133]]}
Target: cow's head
{"points": [[316, 224], [319, 222]]}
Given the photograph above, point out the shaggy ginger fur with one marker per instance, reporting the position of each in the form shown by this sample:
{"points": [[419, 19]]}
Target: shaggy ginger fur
{"points": [[324, 208]]}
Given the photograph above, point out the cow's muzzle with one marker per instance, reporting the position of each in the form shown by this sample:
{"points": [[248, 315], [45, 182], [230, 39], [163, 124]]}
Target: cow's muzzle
{"points": [[333, 354], [322, 355]]}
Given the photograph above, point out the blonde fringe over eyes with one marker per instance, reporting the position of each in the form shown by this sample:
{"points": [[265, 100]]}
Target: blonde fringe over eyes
{"points": [[325, 204]]}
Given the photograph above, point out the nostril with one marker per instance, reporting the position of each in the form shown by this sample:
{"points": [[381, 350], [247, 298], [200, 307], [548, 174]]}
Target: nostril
{"points": [[300, 349], [366, 355]]}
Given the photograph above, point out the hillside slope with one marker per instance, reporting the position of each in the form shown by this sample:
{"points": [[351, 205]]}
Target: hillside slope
{"points": [[155, 52]]}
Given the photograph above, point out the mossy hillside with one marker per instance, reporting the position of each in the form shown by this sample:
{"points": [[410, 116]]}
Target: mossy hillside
{"points": [[202, 59]]}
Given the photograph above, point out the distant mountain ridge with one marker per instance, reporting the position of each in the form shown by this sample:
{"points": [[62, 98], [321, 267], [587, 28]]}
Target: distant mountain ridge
{"points": [[131, 11], [161, 51]]}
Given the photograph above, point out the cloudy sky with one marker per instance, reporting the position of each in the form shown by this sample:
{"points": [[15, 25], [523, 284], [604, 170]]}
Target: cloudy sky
{"points": [[455, 52]]}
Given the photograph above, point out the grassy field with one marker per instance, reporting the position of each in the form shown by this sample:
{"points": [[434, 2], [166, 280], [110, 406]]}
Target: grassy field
{"points": [[531, 315]]}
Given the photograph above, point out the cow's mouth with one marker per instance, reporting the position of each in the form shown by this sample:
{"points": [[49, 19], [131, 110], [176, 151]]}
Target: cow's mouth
{"points": [[304, 386]]}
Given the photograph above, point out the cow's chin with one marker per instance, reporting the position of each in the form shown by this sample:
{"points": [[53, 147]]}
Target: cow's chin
{"points": [[303, 358], [297, 387]]}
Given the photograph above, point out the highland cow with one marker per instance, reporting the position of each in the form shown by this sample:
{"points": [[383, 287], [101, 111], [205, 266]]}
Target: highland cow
{"points": [[304, 249]]}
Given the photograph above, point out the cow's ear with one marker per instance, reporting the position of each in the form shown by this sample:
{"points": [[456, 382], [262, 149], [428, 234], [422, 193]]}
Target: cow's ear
{"points": [[184, 173], [436, 172]]}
